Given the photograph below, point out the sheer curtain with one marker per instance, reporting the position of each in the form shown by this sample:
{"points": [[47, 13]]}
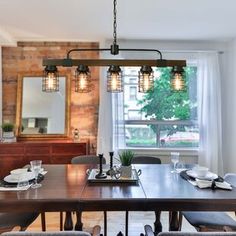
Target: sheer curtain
{"points": [[118, 122], [104, 138], [209, 112]]}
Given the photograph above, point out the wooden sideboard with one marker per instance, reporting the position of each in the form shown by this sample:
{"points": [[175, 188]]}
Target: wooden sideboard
{"points": [[16, 155]]}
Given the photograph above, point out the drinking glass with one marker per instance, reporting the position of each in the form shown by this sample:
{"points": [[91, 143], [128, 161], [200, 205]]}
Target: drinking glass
{"points": [[174, 159], [35, 168]]}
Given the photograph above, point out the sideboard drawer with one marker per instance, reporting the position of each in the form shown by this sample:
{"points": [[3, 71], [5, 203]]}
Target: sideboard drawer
{"points": [[37, 149], [69, 148]]}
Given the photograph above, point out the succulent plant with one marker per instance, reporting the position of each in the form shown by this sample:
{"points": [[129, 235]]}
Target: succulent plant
{"points": [[126, 157]]}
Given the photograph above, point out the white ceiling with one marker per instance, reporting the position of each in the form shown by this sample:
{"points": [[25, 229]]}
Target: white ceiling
{"points": [[91, 20]]}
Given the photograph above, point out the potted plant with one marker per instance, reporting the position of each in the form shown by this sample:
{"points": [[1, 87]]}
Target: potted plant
{"points": [[125, 158], [8, 131]]}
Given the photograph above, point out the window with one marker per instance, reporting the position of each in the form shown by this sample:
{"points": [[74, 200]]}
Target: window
{"points": [[161, 118], [132, 93]]}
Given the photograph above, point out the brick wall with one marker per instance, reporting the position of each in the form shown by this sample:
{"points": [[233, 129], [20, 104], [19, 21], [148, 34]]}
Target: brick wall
{"points": [[27, 57]]}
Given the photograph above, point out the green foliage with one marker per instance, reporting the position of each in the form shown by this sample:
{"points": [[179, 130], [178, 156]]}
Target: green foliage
{"points": [[162, 103], [7, 127], [126, 157]]}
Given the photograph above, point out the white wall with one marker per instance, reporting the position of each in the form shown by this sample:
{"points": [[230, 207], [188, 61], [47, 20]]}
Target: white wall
{"points": [[229, 108]]}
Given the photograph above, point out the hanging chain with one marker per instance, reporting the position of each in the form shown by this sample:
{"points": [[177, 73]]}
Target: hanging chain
{"points": [[114, 23]]}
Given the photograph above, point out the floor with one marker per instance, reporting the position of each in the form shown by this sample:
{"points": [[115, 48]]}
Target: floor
{"points": [[116, 220]]}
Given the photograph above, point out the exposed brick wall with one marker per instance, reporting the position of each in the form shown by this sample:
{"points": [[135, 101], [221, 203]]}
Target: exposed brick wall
{"points": [[27, 57]]}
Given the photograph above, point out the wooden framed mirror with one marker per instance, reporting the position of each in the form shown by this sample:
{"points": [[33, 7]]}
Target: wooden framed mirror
{"points": [[41, 114]]}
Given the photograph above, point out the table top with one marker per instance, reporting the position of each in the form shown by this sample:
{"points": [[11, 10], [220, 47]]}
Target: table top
{"points": [[65, 187]]}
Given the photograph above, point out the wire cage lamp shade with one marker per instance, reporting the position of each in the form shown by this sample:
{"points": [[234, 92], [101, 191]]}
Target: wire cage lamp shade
{"points": [[83, 83], [177, 80], [114, 79], [146, 79], [50, 81]]}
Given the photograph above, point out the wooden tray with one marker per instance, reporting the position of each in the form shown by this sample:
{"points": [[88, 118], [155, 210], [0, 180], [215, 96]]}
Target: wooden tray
{"points": [[93, 172]]}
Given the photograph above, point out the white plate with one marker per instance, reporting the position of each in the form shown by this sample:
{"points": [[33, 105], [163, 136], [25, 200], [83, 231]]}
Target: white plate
{"points": [[209, 175], [11, 179]]}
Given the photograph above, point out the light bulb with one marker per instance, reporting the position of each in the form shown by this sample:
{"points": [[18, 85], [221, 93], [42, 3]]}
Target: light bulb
{"points": [[50, 80], [114, 81], [83, 81], [178, 81], [146, 82]]}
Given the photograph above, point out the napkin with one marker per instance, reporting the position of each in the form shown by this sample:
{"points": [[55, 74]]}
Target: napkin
{"points": [[213, 184], [15, 188], [217, 183]]}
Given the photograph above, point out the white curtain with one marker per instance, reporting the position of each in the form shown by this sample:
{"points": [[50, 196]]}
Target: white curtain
{"points": [[209, 112], [104, 138], [118, 122]]}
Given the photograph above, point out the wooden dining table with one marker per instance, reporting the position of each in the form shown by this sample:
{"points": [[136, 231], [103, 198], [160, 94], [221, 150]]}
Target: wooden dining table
{"points": [[66, 188]]}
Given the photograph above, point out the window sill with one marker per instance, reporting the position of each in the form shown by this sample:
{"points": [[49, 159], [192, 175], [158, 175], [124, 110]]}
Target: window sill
{"points": [[187, 155]]}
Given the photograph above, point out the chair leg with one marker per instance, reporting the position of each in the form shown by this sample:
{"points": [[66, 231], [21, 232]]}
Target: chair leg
{"points": [[79, 224], [68, 221], [157, 223], [105, 222], [126, 223], [180, 221], [43, 221], [173, 221], [61, 221]]}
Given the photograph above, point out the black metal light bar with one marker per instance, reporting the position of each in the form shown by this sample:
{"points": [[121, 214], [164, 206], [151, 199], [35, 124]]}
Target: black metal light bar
{"points": [[109, 62]]}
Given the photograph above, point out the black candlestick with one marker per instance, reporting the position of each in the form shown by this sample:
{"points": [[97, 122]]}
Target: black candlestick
{"points": [[100, 175], [111, 162]]}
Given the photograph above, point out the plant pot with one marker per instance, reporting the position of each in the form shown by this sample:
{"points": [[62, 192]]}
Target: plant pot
{"points": [[8, 135], [126, 171]]}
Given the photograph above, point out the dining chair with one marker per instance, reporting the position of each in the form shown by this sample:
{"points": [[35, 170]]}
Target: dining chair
{"points": [[8, 221], [149, 232], [79, 160], [145, 159], [96, 232], [212, 221]]}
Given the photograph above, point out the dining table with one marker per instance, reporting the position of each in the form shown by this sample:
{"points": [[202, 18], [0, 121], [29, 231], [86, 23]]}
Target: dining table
{"points": [[66, 188]]}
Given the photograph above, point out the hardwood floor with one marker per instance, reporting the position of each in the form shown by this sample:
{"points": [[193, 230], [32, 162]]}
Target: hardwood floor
{"points": [[116, 222]]}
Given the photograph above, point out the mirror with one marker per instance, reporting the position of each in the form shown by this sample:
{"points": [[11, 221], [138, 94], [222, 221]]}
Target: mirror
{"points": [[42, 114]]}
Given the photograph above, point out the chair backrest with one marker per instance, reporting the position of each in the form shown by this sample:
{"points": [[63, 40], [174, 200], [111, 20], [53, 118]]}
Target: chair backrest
{"points": [[87, 159], [230, 178], [146, 160], [59, 233], [197, 234]]}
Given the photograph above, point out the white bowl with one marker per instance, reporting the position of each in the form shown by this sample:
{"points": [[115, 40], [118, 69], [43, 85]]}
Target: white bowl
{"points": [[201, 171], [18, 173]]}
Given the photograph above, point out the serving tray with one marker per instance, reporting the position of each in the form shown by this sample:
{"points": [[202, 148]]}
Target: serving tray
{"points": [[91, 177]]}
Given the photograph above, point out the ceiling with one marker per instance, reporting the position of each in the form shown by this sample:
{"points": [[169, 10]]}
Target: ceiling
{"points": [[91, 20]]}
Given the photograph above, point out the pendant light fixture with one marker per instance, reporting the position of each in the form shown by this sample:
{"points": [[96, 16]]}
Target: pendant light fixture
{"points": [[146, 79], [177, 81], [83, 79], [114, 74], [114, 79], [50, 79]]}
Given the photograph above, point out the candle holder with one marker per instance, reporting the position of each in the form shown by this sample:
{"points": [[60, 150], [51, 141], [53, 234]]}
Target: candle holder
{"points": [[111, 163], [100, 175]]}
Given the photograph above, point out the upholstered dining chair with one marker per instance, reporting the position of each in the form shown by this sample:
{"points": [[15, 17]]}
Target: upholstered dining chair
{"points": [[212, 221], [144, 159], [8, 221], [96, 232], [149, 232], [85, 159]]}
